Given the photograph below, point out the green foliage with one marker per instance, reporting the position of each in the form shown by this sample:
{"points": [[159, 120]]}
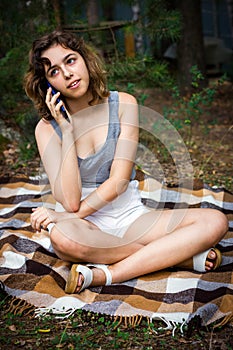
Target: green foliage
{"points": [[141, 71], [12, 96], [20, 22], [197, 76], [187, 110], [3, 143], [28, 149], [12, 68], [163, 22]]}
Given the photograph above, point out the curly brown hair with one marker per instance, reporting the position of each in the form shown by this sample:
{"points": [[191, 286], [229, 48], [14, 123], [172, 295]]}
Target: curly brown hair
{"points": [[35, 82]]}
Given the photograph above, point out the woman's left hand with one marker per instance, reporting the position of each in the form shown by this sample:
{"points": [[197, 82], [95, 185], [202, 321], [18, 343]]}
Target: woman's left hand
{"points": [[41, 217]]}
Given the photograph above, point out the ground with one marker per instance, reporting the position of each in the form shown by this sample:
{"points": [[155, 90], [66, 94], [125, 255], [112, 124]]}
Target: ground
{"points": [[85, 331], [209, 143]]}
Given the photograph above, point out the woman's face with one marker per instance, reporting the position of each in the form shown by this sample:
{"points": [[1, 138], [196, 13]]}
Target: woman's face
{"points": [[67, 72]]}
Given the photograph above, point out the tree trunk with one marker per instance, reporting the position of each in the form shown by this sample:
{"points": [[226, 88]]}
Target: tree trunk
{"points": [[190, 49], [92, 13], [93, 21], [58, 12]]}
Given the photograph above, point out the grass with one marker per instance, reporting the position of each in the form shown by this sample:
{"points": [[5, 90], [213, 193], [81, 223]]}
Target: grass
{"points": [[84, 330]]}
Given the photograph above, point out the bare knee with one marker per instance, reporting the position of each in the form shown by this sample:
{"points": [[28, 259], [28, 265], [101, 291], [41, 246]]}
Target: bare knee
{"points": [[218, 224], [223, 224], [67, 249]]}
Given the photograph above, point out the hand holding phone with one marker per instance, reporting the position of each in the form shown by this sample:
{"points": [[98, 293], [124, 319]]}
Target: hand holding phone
{"points": [[63, 111]]}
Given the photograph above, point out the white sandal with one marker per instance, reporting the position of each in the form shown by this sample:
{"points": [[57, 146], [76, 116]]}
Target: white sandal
{"points": [[87, 273], [197, 262]]}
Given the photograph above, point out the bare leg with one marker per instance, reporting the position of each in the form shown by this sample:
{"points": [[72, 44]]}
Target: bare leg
{"points": [[199, 230]]}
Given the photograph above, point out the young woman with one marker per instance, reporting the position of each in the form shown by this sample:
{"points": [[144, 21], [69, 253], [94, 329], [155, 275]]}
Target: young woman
{"points": [[89, 160]]}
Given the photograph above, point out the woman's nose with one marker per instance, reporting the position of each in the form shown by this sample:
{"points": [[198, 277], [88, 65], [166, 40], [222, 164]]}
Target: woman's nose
{"points": [[67, 74]]}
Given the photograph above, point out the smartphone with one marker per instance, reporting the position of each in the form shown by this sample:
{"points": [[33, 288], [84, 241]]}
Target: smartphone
{"points": [[63, 111]]}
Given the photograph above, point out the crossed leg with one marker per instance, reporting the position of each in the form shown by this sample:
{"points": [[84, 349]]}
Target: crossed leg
{"points": [[158, 243]]}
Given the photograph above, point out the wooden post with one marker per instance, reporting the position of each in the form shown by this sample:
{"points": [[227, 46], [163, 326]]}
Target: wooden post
{"points": [[129, 43]]}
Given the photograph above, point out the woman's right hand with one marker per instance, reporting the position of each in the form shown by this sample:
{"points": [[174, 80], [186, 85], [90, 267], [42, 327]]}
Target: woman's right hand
{"points": [[55, 108]]}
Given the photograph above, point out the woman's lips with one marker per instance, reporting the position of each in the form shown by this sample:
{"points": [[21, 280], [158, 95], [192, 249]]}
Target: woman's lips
{"points": [[74, 84]]}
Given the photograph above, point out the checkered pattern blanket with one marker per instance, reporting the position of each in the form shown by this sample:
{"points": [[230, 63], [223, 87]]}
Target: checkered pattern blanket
{"points": [[35, 277]]}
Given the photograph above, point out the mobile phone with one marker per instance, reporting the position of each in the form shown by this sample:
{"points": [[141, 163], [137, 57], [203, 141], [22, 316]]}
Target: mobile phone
{"points": [[63, 111]]}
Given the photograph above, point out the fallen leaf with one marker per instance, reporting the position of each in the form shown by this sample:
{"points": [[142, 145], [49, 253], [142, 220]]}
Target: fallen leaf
{"points": [[12, 328], [44, 330]]}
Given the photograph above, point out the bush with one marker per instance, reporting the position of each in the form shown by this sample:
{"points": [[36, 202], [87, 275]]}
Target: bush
{"points": [[141, 71], [12, 68]]}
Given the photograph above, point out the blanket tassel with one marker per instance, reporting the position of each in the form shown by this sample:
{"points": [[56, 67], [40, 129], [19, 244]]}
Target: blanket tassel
{"points": [[131, 321], [225, 320], [19, 306]]}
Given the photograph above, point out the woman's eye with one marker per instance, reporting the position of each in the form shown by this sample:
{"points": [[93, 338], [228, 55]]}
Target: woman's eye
{"points": [[71, 60], [54, 72]]}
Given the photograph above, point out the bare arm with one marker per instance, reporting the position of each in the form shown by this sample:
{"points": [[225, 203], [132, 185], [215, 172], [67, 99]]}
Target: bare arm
{"points": [[123, 162], [60, 158]]}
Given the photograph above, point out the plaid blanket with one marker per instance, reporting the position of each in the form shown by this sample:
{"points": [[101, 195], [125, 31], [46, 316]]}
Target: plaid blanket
{"points": [[35, 277]]}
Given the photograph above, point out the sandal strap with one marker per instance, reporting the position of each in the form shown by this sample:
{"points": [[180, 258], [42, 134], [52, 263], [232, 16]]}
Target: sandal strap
{"points": [[106, 271], [199, 261], [87, 275]]}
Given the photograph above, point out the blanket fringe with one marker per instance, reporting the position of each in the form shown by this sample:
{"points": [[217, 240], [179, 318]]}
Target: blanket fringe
{"points": [[20, 306], [126, 321], [225, 320], [133, 321], [171, 324]]}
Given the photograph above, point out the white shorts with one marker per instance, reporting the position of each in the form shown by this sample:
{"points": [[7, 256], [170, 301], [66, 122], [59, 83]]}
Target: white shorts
{"points": [[116, 217]]}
